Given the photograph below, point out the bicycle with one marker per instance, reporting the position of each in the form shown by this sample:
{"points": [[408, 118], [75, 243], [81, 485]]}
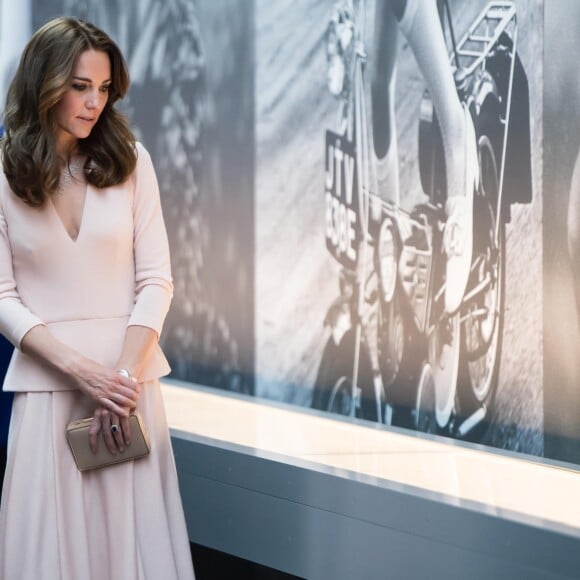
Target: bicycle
{"points": [[391, 344]]}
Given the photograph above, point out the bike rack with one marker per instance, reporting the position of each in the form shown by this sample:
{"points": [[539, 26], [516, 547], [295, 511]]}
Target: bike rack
{"points": [[477, 44], [484, 33]]}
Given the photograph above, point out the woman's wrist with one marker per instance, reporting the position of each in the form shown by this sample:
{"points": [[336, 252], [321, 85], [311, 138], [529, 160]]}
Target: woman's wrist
{"points": [[42, 345], [72, 364]]}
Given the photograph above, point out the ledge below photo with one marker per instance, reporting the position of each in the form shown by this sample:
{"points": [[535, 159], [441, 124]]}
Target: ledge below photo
{"points": [[320, 498]]}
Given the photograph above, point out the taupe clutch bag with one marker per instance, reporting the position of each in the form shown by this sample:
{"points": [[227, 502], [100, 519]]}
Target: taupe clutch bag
{"points": [[77, 434]]}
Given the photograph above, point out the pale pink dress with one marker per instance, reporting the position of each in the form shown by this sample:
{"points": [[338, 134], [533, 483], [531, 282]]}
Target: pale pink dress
{"points": [[119, 523]]}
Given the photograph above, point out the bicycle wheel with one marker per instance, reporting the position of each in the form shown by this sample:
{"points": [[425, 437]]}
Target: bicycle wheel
{"points": [[337, 376], [425, 418], [483, 314], [341, 398], [400, 351]]}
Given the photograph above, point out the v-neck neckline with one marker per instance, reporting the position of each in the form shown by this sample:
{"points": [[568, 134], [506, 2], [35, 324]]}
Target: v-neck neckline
{"points": [[82, 217]]}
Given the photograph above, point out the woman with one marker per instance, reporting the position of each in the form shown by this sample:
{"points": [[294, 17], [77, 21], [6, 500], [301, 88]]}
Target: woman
{"points": [[85, 285]]}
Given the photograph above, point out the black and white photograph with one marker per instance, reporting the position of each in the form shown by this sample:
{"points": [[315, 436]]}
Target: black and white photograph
{"points": [[381, 128]]}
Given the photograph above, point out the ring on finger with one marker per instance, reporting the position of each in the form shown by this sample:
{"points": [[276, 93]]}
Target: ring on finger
{"points": [[114, 428]]}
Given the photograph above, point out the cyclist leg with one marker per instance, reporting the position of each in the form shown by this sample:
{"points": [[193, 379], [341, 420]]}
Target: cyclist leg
{"points": [[383, 74], [420, 24]]}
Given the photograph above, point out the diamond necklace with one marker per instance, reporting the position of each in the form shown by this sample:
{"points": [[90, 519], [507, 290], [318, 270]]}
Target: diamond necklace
{"points": [[72, 172]]}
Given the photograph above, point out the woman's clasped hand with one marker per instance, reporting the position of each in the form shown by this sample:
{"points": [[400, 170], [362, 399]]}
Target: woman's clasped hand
{"points": [[115, 395]]}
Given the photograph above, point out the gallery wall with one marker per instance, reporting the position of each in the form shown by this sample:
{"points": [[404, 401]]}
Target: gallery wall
{"points": [[234, 100]]}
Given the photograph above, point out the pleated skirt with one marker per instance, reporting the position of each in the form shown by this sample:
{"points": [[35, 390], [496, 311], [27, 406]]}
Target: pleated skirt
{"points": [[123, 522]]}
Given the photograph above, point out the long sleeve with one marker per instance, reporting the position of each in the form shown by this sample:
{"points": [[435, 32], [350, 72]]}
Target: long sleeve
{"points": [[15, 318], [153, 282], [86, 292]]}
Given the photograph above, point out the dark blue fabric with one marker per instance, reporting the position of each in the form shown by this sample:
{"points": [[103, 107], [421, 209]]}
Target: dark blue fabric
{"points": [[5, 398]]}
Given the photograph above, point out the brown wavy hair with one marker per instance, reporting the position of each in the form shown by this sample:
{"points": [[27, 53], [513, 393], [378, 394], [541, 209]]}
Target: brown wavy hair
{"points": [[44, 74]]}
